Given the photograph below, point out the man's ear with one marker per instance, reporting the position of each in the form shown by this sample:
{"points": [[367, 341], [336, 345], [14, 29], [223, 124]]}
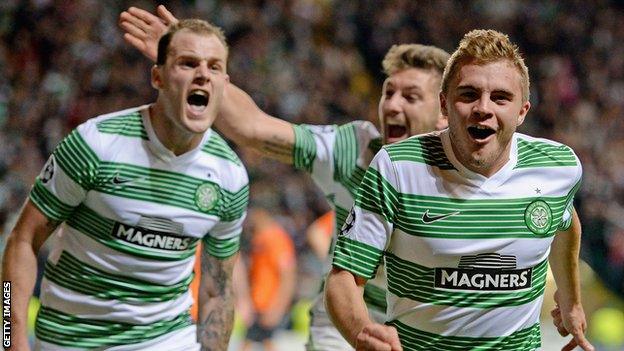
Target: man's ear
{"points": [[523, 112], [443, 109], [156, 78]]}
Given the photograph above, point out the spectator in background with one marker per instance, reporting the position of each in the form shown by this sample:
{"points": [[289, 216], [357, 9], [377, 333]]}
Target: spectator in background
{"points": [[272, 277], [319, 235]]}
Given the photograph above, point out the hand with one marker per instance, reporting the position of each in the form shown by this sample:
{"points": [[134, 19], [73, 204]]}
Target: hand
{"points": [[378, 337], [571, 321], [143, 29]]}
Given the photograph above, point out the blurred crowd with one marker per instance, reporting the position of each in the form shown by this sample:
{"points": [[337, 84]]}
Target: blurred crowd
{"points": [[319, 62]]}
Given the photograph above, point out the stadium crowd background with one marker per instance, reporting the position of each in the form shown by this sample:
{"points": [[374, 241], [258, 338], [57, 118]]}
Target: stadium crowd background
{"points": [[318, 62]]}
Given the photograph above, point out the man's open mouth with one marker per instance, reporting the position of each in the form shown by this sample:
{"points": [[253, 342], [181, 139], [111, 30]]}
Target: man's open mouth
{"points": [[394, 131], [198, 100], [480, 132]]}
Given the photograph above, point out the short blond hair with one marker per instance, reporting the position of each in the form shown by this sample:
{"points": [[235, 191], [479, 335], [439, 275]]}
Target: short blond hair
{"points": [[482, 46], [404, 56], [194, 25]]}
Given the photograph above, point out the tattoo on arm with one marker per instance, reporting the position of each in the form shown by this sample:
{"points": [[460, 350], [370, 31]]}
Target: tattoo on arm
{"points": [[216, 302], [278, 147]]}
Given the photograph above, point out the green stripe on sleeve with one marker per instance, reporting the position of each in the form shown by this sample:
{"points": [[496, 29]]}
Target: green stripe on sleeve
{"points": [[377, 195], [221, 248], [49, 204], [77, 160], [356, 257], [234, 204], [304, 151], [345, 152], [565, 225]]}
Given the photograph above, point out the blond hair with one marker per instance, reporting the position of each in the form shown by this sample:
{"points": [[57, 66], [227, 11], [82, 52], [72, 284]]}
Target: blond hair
{"points": [[482, 46], [194, 25], [403, 56]]}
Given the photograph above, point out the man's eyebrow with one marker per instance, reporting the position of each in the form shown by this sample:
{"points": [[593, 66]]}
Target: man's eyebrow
{"points": [[466, 87], [413, 87], [504, 92]]}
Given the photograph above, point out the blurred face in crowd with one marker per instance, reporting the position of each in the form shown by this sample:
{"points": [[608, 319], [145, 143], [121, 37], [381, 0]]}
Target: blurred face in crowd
{"points": [[409, 104], [191, 81], [484, 107]]}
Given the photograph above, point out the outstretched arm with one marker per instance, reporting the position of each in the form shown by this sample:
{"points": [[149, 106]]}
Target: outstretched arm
{"points": [[216, 302], [240, 119], [564, 259]]}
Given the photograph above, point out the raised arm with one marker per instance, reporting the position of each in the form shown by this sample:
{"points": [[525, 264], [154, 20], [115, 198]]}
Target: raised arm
{"points": [[19, 267], [240, 119], [564, 261], [216, 302]]}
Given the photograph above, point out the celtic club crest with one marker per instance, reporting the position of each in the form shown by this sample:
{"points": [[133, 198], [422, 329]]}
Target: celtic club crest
{"points": [[207, 196], [538, 217]]}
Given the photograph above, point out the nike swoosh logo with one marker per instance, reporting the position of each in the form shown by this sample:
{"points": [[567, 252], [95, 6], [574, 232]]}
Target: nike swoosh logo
{"points": [[428, 219], [119, 181]]}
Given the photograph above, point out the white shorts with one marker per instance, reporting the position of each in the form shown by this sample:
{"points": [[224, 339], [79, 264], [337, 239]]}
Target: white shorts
{"points": [[323, 334], [179, 340]]}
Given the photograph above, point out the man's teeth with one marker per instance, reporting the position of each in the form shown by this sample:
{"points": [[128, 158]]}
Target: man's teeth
{"points": [[197, 99], [199, 92]]}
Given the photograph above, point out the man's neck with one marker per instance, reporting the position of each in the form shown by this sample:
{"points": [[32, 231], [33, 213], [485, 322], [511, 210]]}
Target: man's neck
{"points": [[169, 134]]}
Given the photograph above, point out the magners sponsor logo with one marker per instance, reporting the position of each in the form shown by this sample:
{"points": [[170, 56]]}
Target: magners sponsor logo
{"points": [[484, 272], [150, 238]]}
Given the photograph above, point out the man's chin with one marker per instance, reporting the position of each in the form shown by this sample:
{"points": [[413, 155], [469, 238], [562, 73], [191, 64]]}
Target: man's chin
{"points": [[392, 140]]}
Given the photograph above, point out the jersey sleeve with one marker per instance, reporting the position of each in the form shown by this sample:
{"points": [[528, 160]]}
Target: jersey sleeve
{"points": [[330, 153], [566, 220], [223, 240], [67, 176], [313, 153], [366, 231]]}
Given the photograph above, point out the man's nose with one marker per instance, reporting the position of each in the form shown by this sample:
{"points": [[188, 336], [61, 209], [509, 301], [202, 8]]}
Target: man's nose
{"points": [[202, 74], [393, 103], [482, 107]]}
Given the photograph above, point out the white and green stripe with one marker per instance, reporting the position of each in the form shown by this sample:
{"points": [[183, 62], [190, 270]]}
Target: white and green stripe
{"points": [[134, 214], [130, 125], [337, 157], [71, 273], [419, 340], [49, 204], [64, 329], [458, 248]]}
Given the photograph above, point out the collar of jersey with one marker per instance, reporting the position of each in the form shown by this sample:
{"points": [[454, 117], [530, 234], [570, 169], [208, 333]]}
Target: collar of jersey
{"points": [[475, 178], [159, 150]]}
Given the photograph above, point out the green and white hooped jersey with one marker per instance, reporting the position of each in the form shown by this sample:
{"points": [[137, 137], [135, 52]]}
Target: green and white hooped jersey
{"points": [[337, 157], [119, 270], [465, 256]]}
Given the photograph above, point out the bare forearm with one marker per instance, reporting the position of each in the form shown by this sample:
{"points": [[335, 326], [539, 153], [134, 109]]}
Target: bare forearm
{"points": [[345, 304], [242, 121], [19, 267], [216, 322], [216, 302], [564, 261]]}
